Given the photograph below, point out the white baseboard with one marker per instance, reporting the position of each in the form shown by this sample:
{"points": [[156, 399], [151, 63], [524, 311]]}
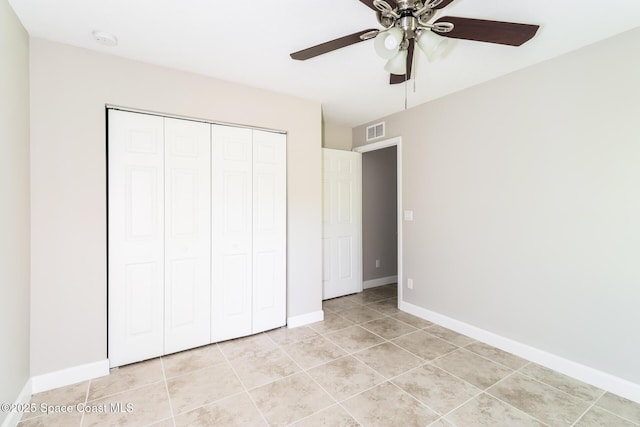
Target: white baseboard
{"points": [[69, 376], [568, 367], [374, 283], [23, 398], [305, 319]]}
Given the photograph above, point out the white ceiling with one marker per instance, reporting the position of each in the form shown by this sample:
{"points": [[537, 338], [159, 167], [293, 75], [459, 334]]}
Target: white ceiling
{"points": [[249, 42]]}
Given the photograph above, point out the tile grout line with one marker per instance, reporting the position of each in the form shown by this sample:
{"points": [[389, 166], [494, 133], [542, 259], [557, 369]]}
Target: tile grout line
{"points": [[440, 415], [340, 402], [213, 402], [554, 387], [501, 401], [494, 361], [409, 324], [166, 388], [304, 371], [595, 405], [462, 404], [300, 371], [584, 413], [352, 355], [426, 329], [386, 380], [393, 338], [244, 387], [486, 391], [482, 357], [126, 390], [483, 391], [416, 400], [213, 365], [86, 399], [335, 401]]}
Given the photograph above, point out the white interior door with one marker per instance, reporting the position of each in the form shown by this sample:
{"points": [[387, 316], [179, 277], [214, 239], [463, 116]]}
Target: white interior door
{"points": [[136, 237], [187, 294], [232, 253], [269, 230], [342, 229]]}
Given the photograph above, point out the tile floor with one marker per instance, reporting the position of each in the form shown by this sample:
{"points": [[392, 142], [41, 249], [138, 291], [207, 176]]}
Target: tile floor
{"points": [[366, 364]]}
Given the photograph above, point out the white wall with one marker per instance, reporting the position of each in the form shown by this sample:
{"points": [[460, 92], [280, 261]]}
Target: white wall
{"points": [[14, 206], [526, 200], [69, 90]]}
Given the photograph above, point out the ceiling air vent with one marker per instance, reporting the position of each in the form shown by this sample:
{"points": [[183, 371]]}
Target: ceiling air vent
{"points": [[375, 131]]}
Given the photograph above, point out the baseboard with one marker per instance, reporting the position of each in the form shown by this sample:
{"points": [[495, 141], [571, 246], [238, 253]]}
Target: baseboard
{"points": [[374, 283], [305, 319], [69, 376], [13, 418], [568, 367]]}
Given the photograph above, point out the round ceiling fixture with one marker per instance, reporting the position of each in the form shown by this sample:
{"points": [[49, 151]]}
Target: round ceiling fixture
{"points": [[104, 38]]}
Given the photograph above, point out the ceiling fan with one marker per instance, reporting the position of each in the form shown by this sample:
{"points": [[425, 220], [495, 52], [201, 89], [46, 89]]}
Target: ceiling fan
{"points": [[407, 23]]}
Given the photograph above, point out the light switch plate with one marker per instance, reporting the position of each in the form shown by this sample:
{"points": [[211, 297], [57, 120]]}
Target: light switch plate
{"points": [[408, 215]]}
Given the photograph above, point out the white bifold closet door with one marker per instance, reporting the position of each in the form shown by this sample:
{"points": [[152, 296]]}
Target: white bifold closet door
{"points": [[248, 288], [187, 184], [136, 237], [197, 234], [269, 230], [159, 236]]}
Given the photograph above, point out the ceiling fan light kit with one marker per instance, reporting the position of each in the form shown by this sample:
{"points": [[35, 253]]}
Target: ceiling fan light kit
{"points": [[397, 64], [409, 22], [387, 43], [431, 44]]}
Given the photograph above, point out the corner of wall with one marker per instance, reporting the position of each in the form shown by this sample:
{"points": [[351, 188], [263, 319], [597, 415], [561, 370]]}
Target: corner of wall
{"points": [[15, 227], [337, 137]]}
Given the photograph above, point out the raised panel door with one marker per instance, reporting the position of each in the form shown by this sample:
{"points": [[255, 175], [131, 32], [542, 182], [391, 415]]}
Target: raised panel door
{"points": [[232, 257], [136, 237], [187, 184], [269, 230], [342, 223]]}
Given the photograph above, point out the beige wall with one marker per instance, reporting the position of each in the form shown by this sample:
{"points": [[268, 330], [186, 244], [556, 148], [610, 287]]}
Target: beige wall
{"points": [[69, 88], [526, 200], [336, 136], [14, 206]]}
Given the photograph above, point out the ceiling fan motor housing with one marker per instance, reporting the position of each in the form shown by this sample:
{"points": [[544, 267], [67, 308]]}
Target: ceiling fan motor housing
{"points": [[408, 15], [406, 4], [409, 24]]}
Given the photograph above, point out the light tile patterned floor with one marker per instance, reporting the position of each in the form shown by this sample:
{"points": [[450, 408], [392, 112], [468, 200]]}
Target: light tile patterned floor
{"points": [[366, 364]]}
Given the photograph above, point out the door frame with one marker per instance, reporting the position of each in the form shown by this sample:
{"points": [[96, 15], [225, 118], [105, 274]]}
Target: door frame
{"points": [[390, 142]]}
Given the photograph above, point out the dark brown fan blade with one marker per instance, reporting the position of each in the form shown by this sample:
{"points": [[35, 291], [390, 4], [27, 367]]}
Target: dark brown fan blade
{"points": [[329, 46], [509, 33], [400, 78], [392, 3], [443, 4]]}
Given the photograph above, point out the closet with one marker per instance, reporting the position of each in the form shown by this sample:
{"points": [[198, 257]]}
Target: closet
{"points": [[196, 234]]}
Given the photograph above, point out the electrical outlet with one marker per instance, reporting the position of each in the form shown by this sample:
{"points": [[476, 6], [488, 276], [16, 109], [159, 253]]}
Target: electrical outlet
{"points": [[410, 283], [377, 263]]}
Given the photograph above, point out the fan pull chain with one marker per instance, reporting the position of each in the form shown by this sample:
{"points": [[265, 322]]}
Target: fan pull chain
{"points": [[405, 92], [415, 72]]}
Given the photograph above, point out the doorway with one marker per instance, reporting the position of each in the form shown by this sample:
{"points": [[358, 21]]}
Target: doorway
{"points": [[377, 264]]}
